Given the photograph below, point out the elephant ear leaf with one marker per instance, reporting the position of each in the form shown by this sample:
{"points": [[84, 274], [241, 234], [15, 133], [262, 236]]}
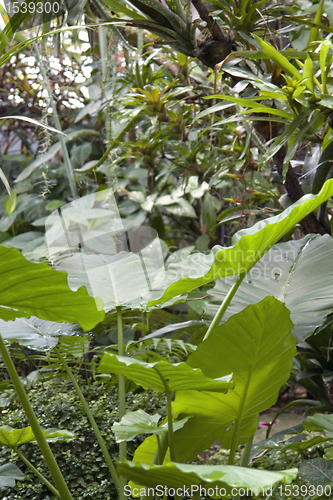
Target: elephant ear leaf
{"points": [[260, 349], [12, 438], [178, 376], [292, 273], [249, 245], [28, 289], [176, 475]]}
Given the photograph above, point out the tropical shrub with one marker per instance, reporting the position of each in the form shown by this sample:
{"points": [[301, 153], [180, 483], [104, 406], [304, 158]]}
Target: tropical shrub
{"points": [[162, 123]]}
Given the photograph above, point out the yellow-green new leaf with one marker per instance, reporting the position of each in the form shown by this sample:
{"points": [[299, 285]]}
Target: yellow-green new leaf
{"points": [[315, 28], [278, 58], [12, 438], [324, 48], [308, 73]]}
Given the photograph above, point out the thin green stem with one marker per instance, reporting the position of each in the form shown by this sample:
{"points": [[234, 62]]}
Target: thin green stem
{"points": [[275, 488], [37, 473], [297, 402], [223, 307], [91, 419], [247, 452], [121, 398], [170, 427], [55, 116], [294, 460], [170, 417], [36, 428], [103, 50], [161, 450]]}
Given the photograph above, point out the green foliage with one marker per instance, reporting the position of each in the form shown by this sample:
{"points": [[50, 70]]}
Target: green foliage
{"points": [[248, 246], [159, 375], [16, 437], [139, 422], [180, 161], [56, 404], [184, 475], [9, 473], [290, 272], [260, 351], [29, 282]]}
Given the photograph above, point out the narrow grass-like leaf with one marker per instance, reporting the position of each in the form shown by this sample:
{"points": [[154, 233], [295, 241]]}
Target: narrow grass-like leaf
{"points": [[324, 48], [33, 122], [311, 124], [308, 73], [315, 29], [278, 58], [282, 139], [5, 182], [249, 103]]}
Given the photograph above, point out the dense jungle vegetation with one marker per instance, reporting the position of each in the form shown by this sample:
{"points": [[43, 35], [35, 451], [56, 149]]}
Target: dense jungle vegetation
{"points": [[166, 252]]}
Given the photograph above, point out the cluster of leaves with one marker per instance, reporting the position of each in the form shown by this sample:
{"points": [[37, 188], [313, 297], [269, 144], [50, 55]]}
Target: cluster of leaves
{"points": [[181, 161], [56, 404]]}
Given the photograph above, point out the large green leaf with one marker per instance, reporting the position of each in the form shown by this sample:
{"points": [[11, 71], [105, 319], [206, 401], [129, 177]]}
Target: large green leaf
{"points": [[176, 475], [8, 474], [319, 423], [16, 437], [36, 333], [249, 245], [87, 239], [299, 273], [119, 280], [258, 347], [317, 472], [28, 289], [139, 422], [149, 375]]}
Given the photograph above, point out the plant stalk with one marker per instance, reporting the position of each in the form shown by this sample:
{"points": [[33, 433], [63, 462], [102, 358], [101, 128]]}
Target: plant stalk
{"points": [[223, 307], [171, 437], [91, 419], [161, 449], [36, 428], [247, 452], [37, 473], [62, 141], [121, 398]]}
